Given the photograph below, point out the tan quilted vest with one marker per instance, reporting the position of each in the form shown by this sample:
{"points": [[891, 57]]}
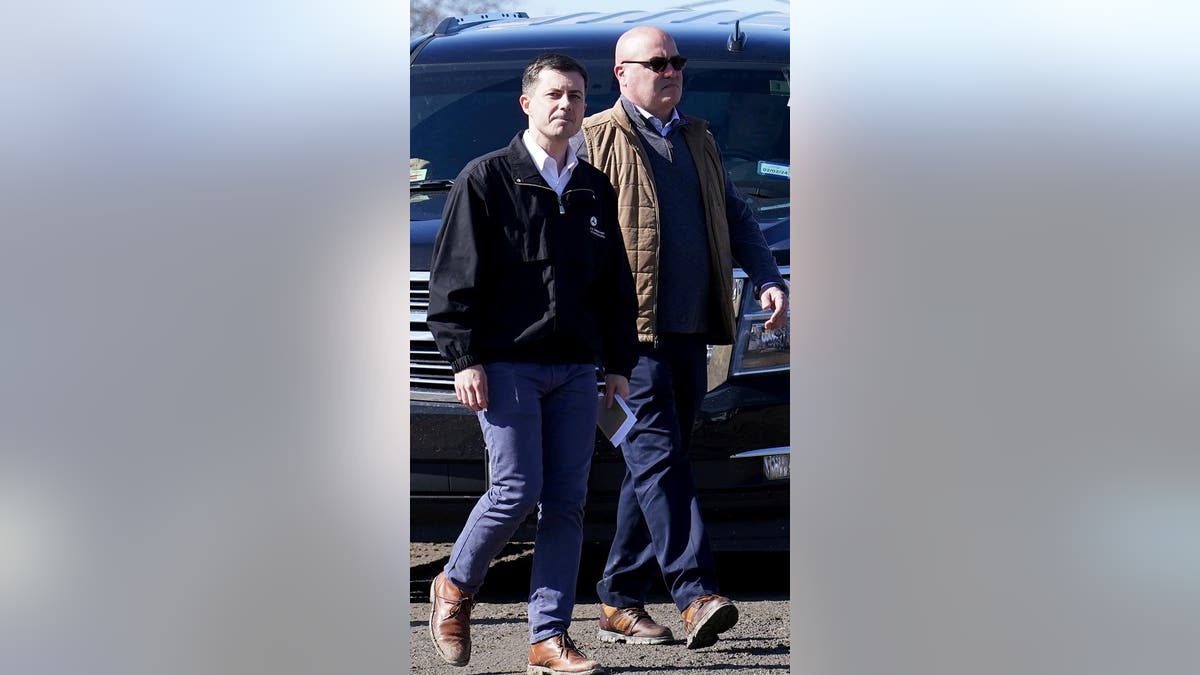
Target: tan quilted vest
{"points": [[613, 147]]}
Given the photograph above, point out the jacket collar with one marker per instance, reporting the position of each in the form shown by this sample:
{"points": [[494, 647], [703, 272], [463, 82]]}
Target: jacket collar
{"points": [[638, 116], [622, 117], [521, 164], [619, 116]]}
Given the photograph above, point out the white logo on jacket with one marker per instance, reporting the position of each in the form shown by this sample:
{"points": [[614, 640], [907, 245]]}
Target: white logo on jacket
{"points": [[595, 228]]}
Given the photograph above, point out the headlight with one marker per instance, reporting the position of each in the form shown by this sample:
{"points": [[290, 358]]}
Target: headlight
{"points": [[777, 467], [756, 349], [760, 350]]}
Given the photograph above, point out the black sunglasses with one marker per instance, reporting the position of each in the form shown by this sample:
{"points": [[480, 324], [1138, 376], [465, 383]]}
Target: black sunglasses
{"points": [[659, 63]]}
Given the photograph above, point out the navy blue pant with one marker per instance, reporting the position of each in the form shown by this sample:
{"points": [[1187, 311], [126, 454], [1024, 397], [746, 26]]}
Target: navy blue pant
{"points": [[658, 516], [540, 430]]}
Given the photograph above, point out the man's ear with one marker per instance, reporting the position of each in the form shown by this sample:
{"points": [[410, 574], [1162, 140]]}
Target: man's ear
{"points": [[524, 101], [619, 70]]}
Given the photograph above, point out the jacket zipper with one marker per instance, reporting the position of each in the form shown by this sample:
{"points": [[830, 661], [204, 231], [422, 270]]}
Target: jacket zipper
{"points": [[566, 192], [561, 209]]}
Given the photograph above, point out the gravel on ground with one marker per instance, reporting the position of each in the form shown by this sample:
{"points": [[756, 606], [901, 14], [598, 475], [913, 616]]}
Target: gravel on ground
{"points": [[759, 642]]}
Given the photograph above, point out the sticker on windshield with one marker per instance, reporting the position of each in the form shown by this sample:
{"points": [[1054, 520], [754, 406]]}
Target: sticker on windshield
{"points": [[780, 88], [418, 169], [773, 169]]}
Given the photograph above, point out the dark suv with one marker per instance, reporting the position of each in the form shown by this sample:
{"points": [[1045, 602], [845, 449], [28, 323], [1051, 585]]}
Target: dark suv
{"points": [[465, 83]]}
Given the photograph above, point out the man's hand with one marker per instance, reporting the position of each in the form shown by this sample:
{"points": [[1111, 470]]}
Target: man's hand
{"points": [[470, 384], [774, 298], [615, 384]]}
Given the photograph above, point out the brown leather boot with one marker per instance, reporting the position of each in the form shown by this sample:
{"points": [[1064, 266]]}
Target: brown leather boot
{"points": [[559, 656], [705, 617], [450, 621], [632, 625]]}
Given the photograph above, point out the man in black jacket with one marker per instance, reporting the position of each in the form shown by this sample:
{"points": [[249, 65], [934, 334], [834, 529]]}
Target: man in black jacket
{"points": [[529, 285]]}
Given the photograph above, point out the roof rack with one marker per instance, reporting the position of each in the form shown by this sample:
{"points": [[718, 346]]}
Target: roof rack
{"points": [[453, 24]]}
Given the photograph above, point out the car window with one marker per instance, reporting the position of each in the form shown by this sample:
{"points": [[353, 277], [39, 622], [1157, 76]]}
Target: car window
{"points": [[460, 111]]}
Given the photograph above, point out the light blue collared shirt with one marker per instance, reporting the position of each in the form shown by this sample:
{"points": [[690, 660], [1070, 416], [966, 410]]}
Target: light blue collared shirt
{"points": [[658, 125]]}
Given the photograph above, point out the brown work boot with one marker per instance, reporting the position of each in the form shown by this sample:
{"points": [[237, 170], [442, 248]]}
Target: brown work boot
{"points": [[632, 625], [705, 617], [559, 656], [450, 620]]}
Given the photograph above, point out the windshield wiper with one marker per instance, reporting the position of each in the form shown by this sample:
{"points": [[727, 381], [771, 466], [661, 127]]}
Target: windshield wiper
{"points": [[435, 185]]}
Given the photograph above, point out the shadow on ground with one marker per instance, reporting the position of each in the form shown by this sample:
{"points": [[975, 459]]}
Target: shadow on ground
{"points": [[749, 576]]}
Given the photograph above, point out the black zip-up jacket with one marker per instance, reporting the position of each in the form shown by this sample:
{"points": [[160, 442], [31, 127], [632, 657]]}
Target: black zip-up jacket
{"points": [[520, 274]]}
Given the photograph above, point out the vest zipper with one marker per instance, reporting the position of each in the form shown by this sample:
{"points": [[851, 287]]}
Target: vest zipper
{"points": [[641, 152]]}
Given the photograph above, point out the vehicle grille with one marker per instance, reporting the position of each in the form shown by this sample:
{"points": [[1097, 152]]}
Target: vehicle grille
{"points": [[430, 376]]}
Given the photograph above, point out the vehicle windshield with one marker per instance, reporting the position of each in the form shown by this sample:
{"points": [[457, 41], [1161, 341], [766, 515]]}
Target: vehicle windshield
{"points": [[460, 111]]}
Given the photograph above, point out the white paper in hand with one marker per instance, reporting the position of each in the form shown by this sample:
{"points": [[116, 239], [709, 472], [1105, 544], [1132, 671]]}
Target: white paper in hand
{"points": [[616, 421]]}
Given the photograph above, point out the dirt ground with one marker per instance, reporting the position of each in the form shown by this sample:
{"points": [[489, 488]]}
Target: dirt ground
{"points": [[760, 641]]}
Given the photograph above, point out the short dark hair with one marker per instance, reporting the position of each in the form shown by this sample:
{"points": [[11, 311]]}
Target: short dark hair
{"points": [[560, 62]]}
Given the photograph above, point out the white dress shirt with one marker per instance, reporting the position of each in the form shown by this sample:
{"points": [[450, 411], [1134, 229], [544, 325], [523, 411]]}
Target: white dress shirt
{"points": [[548, 167]]}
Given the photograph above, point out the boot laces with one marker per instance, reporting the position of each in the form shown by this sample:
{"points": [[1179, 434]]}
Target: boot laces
{"points": [[457, 605], [569, 645], [636, 614]]}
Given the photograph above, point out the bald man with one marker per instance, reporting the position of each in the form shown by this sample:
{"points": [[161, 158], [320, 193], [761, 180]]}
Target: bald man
{"points": [[684, 225]]}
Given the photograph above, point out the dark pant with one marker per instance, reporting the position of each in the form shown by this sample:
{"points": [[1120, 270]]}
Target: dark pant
{"points": [[540, 430], [658, 516]]}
